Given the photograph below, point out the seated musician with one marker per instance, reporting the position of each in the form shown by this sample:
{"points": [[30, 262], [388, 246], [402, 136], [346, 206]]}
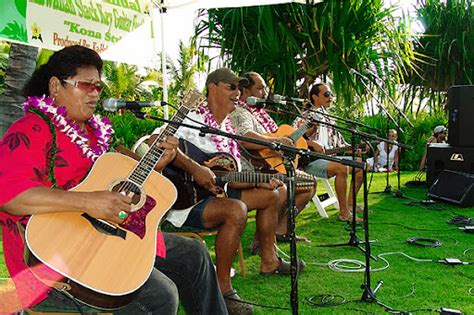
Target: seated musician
{"points": [[229, 214], [381, 159], [321, 137], [50, 150], [254, 122]]}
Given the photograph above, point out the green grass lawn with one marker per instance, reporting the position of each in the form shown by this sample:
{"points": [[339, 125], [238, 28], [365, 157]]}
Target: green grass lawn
{"points": [[408, 284]]}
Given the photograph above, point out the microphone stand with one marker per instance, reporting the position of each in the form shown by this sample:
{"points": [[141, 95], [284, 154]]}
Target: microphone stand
{"points": [[388, 187], [400, 113], [353, 239], [291, 178], [368, 294]]}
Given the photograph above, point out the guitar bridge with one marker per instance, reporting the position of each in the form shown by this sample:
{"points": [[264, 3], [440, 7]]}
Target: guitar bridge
{"points": [[105, 227]]}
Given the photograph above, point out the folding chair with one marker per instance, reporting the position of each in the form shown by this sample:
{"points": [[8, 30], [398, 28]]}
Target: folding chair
{"points": [[322, 203]]}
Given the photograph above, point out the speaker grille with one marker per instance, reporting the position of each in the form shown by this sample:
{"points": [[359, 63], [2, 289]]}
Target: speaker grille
{"points": [[453, 187]]}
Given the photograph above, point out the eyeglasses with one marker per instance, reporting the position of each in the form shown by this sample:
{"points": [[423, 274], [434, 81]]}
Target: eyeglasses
{"points": [[231, 86], [86, 86], [328, 94]]}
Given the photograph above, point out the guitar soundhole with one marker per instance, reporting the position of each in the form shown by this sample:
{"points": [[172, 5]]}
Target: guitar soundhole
{"points": [[132, 190]]}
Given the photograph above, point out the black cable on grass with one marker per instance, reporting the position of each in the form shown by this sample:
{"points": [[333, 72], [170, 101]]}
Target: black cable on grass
{"points": [[413, 228], [259, 305], [326, 300], [424, 242], [460, 220], [427, 206]]}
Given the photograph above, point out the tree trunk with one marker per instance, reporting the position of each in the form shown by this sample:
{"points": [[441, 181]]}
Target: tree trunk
{"points": [[21, 64]]}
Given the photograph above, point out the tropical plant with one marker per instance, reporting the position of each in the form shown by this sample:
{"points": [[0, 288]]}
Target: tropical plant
{"points": [[4, 52], [21, 64], [188, 67], [449, 44], [293, 44]]}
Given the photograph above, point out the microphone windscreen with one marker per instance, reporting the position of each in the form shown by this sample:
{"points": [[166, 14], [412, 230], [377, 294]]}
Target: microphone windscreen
{"points": [[252, 100], [110, 104]]}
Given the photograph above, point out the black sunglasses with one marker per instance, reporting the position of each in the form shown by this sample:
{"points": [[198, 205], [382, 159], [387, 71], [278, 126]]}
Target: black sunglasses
{"points": [[328, 93], [232, 87]]}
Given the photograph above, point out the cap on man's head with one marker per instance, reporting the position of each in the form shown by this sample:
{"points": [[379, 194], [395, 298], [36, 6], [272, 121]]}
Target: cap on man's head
{"points": [[224, 75], [439, 129]]}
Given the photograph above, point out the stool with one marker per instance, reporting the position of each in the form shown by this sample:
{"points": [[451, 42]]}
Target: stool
{"points": [[199, 235], [331, 200]]}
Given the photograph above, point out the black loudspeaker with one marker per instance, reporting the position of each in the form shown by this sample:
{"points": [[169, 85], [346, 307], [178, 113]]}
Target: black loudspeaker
{"points": [[454, 187], [442, 156], [461, 115]]}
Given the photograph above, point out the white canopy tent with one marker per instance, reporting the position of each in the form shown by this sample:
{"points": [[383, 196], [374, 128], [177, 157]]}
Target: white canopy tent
{"points": [[120, 30], [142, 47]]}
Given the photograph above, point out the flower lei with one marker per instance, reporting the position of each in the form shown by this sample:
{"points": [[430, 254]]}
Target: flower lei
{"points": [[262, 117], [222, 144], [101, 127]]}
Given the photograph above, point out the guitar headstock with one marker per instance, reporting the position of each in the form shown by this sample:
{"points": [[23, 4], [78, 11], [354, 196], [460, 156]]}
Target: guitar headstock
{"points": [[192, 99]]}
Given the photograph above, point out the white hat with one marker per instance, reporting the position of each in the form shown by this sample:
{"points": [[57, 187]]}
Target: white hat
{"points": [[439, 129]]}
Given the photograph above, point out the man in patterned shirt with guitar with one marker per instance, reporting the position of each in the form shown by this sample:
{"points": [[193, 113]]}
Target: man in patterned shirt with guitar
{"points": [[254, 122], [225, 211], [326, 139]]}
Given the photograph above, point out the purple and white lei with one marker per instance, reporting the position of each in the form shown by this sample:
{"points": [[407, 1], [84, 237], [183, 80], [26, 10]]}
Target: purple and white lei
{"points": [[222, 144], [101, 127]]}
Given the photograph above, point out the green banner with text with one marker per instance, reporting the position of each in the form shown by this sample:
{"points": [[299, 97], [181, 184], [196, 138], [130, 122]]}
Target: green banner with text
{"points": [[54, 24]]}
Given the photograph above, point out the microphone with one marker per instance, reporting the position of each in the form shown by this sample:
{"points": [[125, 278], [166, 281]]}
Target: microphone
{"points": [[112, 104], [275, 100], [255, 101]]}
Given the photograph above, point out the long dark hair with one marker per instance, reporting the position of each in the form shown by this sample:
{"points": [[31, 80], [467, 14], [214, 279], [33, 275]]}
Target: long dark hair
{"points": [[314, 91], [62, 64]]}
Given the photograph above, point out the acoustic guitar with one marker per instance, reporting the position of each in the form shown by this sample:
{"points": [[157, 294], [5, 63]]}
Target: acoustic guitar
{"points": [[271, 158], [105, 263], [225, 169]]}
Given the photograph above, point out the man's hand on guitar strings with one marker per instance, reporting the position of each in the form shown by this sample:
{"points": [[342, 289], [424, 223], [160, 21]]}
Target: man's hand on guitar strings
{"points": [[107, 205]]}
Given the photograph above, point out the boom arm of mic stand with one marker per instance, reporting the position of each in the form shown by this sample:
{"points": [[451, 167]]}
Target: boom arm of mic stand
{"points": [[383, 109], [400, 112], [347, 121]]}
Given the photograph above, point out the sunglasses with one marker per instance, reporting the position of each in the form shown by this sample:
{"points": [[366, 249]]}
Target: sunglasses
{"points": [[231, 86], [86, 86], [328, 94]]}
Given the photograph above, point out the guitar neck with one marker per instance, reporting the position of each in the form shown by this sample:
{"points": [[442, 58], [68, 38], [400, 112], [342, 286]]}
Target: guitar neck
{"points": [[300, 131], [148, 162], [338, 150], [247, 177]]}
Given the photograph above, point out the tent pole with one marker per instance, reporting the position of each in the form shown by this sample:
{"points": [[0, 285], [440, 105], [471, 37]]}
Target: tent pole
{"points": [[163, 60]]}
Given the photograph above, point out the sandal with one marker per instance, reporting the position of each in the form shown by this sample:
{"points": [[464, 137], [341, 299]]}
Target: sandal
{"points": [[284, 268], [254, 250], [359, 209], [285, 238], [235, 305], [349, 219]]}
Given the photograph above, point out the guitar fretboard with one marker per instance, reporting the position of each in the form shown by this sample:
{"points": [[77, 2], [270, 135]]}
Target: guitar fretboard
{"points": [[147, 164], [249, 177], [143, 169]]}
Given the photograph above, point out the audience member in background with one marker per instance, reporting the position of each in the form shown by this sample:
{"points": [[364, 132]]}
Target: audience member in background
{"points": [[381, 159], [254, 122], [439, 136]]}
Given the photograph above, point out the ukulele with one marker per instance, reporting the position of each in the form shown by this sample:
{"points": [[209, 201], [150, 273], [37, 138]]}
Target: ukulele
{"points": [[225, 169]]}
